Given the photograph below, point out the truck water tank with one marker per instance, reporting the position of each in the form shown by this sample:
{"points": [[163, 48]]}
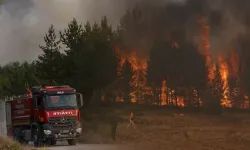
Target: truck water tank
{"points": [[3, 130]]}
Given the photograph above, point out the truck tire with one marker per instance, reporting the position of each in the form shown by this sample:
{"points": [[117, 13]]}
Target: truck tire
{"points": [[37, 141], [72, 142], [53, 142], [50, 142]]}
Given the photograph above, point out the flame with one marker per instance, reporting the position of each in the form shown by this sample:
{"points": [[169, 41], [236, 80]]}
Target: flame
{"points": [[139, 67], [205, 47], [227, 67], [163, 93], [224, 76], [180, 101]]}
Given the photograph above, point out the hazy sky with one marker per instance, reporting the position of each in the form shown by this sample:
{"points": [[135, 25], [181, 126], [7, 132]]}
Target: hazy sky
{"points": [[23, 23]]}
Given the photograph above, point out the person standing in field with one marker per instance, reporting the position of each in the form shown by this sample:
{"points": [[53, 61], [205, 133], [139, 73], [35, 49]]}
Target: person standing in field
{"points": [[113, 123], [131, 120]]}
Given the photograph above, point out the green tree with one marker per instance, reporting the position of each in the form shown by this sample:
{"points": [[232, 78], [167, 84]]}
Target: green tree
{"points": [[91, 60], [4, 82], [105, 59], [72, 37], [15, 77], [49, 65]]}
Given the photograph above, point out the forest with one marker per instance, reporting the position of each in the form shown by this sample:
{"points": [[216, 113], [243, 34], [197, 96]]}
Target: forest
{"points": [[139, 62]]}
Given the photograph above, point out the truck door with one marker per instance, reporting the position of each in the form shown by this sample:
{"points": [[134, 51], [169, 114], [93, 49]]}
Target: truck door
{"points": [[37, 103]]}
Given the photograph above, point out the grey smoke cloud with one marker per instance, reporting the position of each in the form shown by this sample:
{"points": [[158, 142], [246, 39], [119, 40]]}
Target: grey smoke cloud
{"points": [[23, 23], [227, 20]]}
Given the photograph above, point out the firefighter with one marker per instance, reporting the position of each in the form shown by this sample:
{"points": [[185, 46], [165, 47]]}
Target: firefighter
{"points": [[113, 123], [131, 120]]}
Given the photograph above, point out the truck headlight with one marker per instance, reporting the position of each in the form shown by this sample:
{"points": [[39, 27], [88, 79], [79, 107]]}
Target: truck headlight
{"points": [[79, 130], [47, 132]]}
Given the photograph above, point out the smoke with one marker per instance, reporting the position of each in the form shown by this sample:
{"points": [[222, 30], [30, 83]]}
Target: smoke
{"points": [[178, 20], [23, 23]]}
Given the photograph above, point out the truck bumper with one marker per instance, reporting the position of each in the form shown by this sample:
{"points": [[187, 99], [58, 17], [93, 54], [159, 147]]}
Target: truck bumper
{"points": [[62, 135]]}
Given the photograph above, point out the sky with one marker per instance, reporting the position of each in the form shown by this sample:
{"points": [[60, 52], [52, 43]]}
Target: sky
{"points": [[23, 23]]}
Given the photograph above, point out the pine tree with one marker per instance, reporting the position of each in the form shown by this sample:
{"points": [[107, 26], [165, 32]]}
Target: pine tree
{"points": [[48, 64], [74, 60]]}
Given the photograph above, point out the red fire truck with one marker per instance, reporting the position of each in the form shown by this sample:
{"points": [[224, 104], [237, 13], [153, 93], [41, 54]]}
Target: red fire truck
{"points": [[45, 115]]}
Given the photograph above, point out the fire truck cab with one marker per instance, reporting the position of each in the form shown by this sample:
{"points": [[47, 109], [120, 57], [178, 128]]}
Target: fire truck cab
{"points": [[45, 115]]}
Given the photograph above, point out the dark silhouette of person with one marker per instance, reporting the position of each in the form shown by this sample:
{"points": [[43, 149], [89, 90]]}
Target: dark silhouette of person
{"points": [[114, 122]]}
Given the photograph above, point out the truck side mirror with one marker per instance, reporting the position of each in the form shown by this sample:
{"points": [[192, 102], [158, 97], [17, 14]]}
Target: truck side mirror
{"points": [[79, 99]]}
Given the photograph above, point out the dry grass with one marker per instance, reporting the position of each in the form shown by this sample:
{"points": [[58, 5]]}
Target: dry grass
{"points": [[170, 129], [9, 144]]}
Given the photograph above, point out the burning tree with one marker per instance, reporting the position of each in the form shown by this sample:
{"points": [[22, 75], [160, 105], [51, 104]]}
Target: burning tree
{"points": [[217, 87], [126, 81]]}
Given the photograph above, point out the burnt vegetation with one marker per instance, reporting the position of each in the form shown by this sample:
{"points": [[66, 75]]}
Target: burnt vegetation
{"points": [[152, 57]]}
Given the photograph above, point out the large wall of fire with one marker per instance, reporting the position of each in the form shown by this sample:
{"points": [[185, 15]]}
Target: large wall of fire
{"points": [[212, 25], [228, 67]]}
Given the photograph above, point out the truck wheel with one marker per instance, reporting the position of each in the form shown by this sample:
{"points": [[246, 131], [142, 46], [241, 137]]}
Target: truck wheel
{"points": [[72, 142], [37, 142], [50, 142], [53, 142]]}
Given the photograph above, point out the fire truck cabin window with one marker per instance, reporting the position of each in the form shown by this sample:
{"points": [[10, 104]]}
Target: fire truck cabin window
{"points": [[62, 100]]}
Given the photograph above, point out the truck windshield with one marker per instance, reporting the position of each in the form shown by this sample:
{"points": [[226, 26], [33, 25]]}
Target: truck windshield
{"points": [[62, 101]]}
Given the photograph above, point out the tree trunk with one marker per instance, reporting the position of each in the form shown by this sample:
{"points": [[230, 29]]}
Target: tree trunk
{"points": [[158, 96], [176, 100], [167, 98], [198, 101], [189, 96]]}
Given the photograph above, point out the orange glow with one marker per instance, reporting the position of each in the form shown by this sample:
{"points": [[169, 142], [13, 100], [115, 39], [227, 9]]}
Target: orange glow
{"points": [[205, 47], [224, 76], [224, 69], [139, 66], [175, 45], [228, 67], [163, 93], [180, 101]]}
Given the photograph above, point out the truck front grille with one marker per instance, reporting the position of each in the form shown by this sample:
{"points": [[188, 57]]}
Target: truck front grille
{"points": [[62, 122]]}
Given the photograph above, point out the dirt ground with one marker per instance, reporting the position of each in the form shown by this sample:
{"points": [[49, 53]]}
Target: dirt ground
{"points": [[165, 128]]}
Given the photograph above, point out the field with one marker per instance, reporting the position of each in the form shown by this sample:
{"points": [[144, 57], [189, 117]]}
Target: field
{"points": [[168, 128]]}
